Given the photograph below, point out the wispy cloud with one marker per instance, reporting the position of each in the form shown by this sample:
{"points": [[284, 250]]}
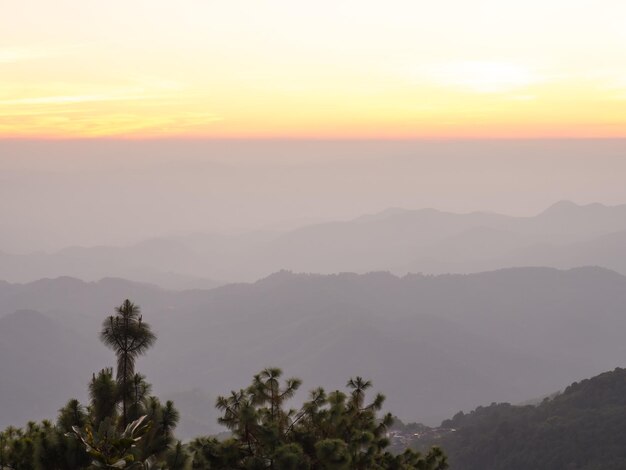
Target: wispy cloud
{"points": [[144, 105], [107, 124], [138, 89]]}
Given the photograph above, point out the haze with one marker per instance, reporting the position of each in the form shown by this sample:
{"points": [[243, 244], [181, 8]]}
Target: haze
{"points": [[117, 192], [428, 195]]}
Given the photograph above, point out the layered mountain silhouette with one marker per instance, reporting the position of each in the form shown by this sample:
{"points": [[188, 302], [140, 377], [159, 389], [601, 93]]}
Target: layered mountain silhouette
{"points": [[42, 363], [433, 344], [428, 241]]}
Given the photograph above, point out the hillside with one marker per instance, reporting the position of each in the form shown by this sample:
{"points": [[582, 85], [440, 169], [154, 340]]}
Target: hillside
{"points": [[583, 428], [421, 339]]}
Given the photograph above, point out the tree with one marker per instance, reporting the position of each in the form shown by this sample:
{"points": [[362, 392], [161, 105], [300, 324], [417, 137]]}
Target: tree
{"points": [[337, 430], [127, 334], [160, 438], [139, 390], [330, 431], [110, 449], [104, 396], [72, 414]]}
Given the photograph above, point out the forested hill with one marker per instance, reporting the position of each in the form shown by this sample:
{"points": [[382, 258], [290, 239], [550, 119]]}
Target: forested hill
{"points": [[584, 428], [435, 344]]}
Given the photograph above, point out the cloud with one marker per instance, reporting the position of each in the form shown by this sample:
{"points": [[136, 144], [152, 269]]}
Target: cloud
{"points": [[478, 76], [141, 89], [146, 105], [93, 123]]}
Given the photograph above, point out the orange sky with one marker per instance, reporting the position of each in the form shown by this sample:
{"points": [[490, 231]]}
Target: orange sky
{"points": [[330, 68]]}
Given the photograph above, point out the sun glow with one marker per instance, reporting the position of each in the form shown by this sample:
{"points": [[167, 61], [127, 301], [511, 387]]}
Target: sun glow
{"points": [[322, 69]]}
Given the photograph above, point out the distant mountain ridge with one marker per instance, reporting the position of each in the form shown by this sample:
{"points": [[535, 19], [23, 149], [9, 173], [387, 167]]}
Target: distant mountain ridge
{"points": [[432, 344], [564, 235], [41, 362]]}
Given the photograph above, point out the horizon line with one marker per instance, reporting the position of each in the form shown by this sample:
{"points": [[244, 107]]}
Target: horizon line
{"points": [[310, 139]]}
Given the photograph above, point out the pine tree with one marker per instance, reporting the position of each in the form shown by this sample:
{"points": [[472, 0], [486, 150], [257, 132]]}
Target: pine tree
{"points": [[330, 431], [127, 334]]}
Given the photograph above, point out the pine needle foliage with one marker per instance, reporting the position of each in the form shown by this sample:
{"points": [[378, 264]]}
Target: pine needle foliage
{"points": [[330, 431], [125, 427], [129, 336]]}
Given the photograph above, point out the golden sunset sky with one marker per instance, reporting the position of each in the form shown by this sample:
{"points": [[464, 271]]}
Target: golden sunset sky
{"points": [[324, 68]]}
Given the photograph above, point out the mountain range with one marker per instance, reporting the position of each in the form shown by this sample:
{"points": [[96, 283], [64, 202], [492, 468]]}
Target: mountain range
{"points": [[433, 344], [428, 241]]}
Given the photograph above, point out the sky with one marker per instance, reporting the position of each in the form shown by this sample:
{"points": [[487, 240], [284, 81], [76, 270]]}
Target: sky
{"points": [[190, 69]]}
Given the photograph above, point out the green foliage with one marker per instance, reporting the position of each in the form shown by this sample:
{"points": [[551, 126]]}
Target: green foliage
{"points": [[139, 395], [127, 334], [159, 438], [97, 436], [333, 454], [41, 446], [338, 430], [104, 396], [111, 449], [330, 431], [583, 428], [72, 414], [176, 457]]}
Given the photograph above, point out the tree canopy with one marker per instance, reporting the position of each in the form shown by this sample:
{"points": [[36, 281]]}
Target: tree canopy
{"points": [[124, 426], [582, 428]]}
